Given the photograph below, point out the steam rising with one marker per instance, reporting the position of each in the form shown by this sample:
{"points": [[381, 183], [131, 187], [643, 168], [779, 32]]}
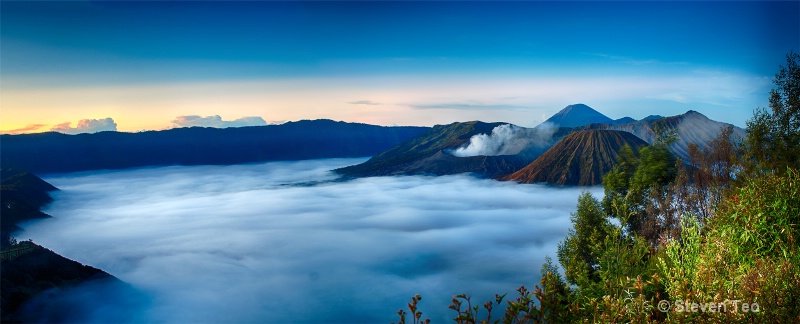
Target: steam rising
{"points": [[507, 139], [281, 243]]}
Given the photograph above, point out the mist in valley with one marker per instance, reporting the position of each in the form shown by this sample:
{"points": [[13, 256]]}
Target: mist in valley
{"points": [[286, 242]]}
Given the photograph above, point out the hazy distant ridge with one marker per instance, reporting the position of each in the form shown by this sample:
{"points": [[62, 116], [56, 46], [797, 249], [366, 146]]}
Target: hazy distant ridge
{"points": [[307, 139]]}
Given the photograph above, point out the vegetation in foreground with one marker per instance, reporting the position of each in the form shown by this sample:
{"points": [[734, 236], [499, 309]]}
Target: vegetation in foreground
{"points": [[712, 239]]}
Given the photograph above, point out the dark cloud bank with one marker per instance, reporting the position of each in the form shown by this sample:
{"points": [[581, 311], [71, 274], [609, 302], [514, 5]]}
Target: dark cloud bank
{"points": [[279, 243]]}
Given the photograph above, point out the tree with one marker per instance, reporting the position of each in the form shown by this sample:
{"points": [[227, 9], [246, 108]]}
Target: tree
{"points": [[773, 136], [701, 185], [638, 185], [578, 253]]}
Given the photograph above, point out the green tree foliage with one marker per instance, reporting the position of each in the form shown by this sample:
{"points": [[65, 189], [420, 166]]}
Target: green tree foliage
{"points": [[656, 168], [606, 265], [763, 218], [773, 136], [553, 294], [747, 252], [578, 253], [617, 182], [638, 183]]}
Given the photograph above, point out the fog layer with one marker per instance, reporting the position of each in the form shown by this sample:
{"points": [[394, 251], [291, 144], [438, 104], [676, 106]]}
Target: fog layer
{"points": [[281, 242]]}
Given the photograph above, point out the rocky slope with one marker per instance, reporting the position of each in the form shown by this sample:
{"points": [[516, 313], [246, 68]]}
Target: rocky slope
{"points": [[691, 127], [581, 158]]}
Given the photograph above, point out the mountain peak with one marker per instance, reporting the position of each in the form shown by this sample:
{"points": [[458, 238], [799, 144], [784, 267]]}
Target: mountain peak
{"points": [[652, 117], [578, 115], [692, 113], [578, 108], [624, 120]]}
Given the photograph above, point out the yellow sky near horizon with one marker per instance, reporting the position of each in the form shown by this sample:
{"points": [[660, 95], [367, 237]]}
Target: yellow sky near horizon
{"points": [[376, 100], [148, 107]]}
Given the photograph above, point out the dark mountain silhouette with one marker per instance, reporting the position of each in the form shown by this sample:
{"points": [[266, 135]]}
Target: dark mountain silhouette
{"points": [[624, 120], [651, 117], [35, 282], [307, 139], [39, 286], [581, 158], [429, 154], [691, 127], [22, 194]]}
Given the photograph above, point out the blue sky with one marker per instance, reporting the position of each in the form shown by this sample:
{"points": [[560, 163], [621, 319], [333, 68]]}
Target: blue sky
{"points": [[415, 63]]}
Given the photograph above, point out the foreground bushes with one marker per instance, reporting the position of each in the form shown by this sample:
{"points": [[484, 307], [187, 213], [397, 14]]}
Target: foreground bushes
{"points": [[747, 254]]}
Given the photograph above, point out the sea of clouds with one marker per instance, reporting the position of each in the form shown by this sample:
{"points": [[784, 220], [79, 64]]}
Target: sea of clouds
{"points": [[285, 242]]}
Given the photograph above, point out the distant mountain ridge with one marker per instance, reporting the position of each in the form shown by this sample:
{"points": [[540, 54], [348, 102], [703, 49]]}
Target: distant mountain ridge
{"points": [[307, 139], [581, 158], [440, 150]]}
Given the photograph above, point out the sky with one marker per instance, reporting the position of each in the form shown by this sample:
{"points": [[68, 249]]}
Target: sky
{"points": [[82, 66], [257, 243]]}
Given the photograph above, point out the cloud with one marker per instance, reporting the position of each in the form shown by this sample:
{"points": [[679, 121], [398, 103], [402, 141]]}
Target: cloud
{"points": [[507, 139], [635, 61], [217, 122], [87, 126], [278, 242], [465, 106], [364, 102], [27, 129]]}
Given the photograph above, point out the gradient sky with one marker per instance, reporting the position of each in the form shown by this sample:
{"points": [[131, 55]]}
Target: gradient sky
{"points": [[407, 63]]}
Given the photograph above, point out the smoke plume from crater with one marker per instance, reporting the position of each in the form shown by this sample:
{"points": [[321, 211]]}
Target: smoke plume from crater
{"points": [[507, 139]]}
